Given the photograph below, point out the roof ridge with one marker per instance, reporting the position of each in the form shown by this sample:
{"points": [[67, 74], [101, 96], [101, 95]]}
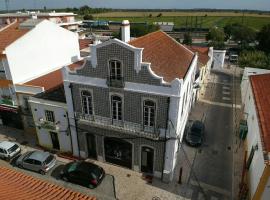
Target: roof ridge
{"points": [[8, 26]]}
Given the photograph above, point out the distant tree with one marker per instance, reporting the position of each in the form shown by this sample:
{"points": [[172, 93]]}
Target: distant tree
{"points": [[150, 15], [117, 34], [140, 29], [240, 33], [88, 17], [255, 59], [44, 8], [159, 15], [263, 38], [187, 39], [216, 37]]}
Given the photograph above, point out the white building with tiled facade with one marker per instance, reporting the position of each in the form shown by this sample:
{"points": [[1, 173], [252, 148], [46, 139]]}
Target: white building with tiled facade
{"points": [[129, 101]]}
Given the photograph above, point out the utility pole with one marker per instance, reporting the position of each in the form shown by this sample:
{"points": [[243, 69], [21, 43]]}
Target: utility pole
{"points": [[7, 5]]}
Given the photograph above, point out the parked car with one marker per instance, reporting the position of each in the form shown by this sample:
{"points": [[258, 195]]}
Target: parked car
{"points": [[194, 134], [9, 150], [38, 161], [83, 173]]}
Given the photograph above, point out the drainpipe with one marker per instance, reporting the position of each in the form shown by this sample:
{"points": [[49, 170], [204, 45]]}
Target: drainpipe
{"points": [[69, 133], [165, 141], [75, 120]]}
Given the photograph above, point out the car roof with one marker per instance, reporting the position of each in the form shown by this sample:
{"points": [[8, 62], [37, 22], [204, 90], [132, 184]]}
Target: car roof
{"points": [[39, 155], [6, 144]]}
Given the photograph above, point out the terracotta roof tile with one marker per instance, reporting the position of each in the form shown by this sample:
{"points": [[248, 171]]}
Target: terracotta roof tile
{"points": [[261, 90], [48, 81], [9, 34], [202, 54], [168, 58], [84, 43], [76, 65], [15, 185]]}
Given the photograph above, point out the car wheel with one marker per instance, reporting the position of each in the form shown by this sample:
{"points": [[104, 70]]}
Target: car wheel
{"points": [[42, 172], [91, 186]]}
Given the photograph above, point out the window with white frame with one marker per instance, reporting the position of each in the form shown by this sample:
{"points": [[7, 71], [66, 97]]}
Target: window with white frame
{"points": [[87, 102], [149, 108], [49, 116], [115, 70], [116, 107]]}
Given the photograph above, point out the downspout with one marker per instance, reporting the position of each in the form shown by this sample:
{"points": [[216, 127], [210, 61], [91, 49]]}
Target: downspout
{"points": [[165, 141], [75, 120], [69, 133]]}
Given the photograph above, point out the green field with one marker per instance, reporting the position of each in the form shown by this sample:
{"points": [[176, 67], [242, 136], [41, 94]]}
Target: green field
{"points": [[207, 20]]}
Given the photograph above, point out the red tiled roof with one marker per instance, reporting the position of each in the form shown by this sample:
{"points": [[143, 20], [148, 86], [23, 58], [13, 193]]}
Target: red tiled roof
{"points": [[261, 89], [48, 81], [76, 65], [202, 53], [168, 58], [84, 43], [16, 185], [9, 34]]}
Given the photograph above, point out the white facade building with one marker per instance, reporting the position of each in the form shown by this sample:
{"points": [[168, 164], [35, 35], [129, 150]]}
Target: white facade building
{"points": [[144, 78], [219, 58], [255, 90], [50, 116]]}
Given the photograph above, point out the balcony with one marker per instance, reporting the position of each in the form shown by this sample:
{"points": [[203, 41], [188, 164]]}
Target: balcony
{"points": [[53, 126], [116, 81], [122, 126]]}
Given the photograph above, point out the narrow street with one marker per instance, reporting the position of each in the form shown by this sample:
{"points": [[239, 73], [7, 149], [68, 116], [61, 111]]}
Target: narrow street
{"points": [[212, 163]]}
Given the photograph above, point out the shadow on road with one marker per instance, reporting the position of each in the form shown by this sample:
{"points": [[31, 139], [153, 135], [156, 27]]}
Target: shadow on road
{"points": [[56, 171]]}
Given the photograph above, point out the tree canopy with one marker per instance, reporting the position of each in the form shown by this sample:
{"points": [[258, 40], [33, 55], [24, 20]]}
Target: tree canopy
{"points": [[255, 59], [141, 29], [264, 39], [187, 39], [216, 38]]}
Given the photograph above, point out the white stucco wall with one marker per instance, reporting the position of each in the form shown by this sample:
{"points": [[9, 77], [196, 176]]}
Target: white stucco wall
{"points": [[43, 49], [245, 80], [266, 192], [38, 107], [219, 57], [253, 137]]}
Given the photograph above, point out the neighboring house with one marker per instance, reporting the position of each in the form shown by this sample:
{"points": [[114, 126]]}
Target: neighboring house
{"points": [[165, 26], [205, 61], [65, 20], [28, 51], [248, 71], [218, 59], [131, 101], [18, 185], [256, 111], [51, 119]]}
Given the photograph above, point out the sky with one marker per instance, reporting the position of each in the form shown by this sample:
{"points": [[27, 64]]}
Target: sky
{"points": [[147, 4]]}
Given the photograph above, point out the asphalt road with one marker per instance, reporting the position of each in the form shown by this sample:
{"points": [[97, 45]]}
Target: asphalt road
{"points": [[213, 161]]}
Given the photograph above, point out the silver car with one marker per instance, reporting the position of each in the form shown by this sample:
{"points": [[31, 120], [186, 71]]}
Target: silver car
{"points": [[38, 161]]}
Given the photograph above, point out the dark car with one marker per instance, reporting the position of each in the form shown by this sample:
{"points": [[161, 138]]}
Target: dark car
{"points": [[195, 132], [83, 173]]}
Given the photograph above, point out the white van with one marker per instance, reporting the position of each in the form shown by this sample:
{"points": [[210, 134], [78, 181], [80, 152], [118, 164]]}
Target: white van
{"points": [[9, 150]]}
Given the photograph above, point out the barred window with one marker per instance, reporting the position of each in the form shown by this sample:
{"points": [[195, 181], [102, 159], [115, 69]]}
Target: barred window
{"points": [[49, 116], [149, 108], [115, 70], [116, 107], [87, 102]]}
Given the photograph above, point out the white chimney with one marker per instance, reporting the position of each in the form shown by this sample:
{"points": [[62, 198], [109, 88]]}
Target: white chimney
{"points": [[125, 31]]}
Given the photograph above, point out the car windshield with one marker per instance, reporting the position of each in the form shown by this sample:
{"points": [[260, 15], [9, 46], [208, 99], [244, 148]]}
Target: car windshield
{"points": [[13, 148], [49, 159], [73, 167]]}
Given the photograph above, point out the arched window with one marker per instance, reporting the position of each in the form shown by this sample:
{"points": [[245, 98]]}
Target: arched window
{"points": [[87, 102], [149, 109], [115, 70], [116, 107]]}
